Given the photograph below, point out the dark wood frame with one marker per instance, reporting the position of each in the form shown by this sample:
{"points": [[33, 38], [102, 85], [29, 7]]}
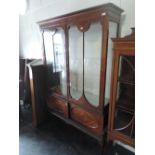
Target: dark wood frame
{"points": [[65, 107], [121, 46]]}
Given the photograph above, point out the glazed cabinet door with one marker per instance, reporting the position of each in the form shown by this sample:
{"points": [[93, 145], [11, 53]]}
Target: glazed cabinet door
{"points": [[55, 55], [90, 56], [85, 52]]}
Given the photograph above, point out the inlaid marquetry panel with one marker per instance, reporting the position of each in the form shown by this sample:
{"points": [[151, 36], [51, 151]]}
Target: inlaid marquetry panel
{"points": [[89, 120], [58, 105]]}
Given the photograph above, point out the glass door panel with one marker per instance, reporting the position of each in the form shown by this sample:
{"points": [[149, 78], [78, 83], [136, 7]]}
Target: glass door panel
{"points": [[48, 47], [76, 62], [54, 42], [125, 96], [92, 62]]}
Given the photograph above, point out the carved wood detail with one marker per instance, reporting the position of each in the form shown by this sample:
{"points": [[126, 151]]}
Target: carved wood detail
{"points": [[83, 26]]}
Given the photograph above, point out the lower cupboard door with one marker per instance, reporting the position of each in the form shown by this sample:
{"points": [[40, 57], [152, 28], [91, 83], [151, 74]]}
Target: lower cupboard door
{"points": [[89, 120]]}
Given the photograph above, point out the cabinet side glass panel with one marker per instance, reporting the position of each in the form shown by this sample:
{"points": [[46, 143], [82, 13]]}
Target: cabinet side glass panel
{"points": [[92, 62], [56, 60], [76, 62], [112, 34]]}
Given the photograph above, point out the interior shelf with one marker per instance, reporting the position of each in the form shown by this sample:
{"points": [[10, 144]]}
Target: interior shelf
{"points": [[126, 81], [126, 105]]}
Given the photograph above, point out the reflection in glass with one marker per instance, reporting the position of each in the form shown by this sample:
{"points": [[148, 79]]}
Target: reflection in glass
{"points": [[48, 47], [92, 63], [76, 62], [56, 60], [125, 96]]}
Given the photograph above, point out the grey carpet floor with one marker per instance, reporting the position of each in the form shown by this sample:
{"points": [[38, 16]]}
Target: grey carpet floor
{"points": [[55, 137]]}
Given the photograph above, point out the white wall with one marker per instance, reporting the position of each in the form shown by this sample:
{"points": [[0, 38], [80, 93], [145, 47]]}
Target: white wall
{"points": [[30, 39]]}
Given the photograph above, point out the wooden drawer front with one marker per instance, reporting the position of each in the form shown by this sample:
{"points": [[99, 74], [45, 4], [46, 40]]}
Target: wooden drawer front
{"points": [[58, 105], [87, 119]]}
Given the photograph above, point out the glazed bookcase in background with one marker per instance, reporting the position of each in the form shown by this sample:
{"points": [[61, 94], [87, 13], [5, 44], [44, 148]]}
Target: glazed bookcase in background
{"points": [[122, 99]]}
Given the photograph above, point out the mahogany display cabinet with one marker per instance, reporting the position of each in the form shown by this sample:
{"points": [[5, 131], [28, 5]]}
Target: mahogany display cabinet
{"points": [[122, 99], [77, 53]]}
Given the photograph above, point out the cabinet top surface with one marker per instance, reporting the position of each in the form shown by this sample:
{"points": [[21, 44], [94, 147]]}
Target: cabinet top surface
{"points": [[127, 38], [109, 8]]}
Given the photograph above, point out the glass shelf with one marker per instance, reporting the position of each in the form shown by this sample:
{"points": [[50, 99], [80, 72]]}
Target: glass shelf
{"points": [[125, 97], [127, 70], [125, 81], [123, 105]]}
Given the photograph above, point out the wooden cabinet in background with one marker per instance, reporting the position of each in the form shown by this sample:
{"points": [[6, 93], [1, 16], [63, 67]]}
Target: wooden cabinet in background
{"points": [[37, 81], [122, 100]]}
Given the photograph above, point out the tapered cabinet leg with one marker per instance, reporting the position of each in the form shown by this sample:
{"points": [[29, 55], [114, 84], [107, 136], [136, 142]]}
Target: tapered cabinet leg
{"points": [[102, 145], [101, 148], [105, 145]]}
